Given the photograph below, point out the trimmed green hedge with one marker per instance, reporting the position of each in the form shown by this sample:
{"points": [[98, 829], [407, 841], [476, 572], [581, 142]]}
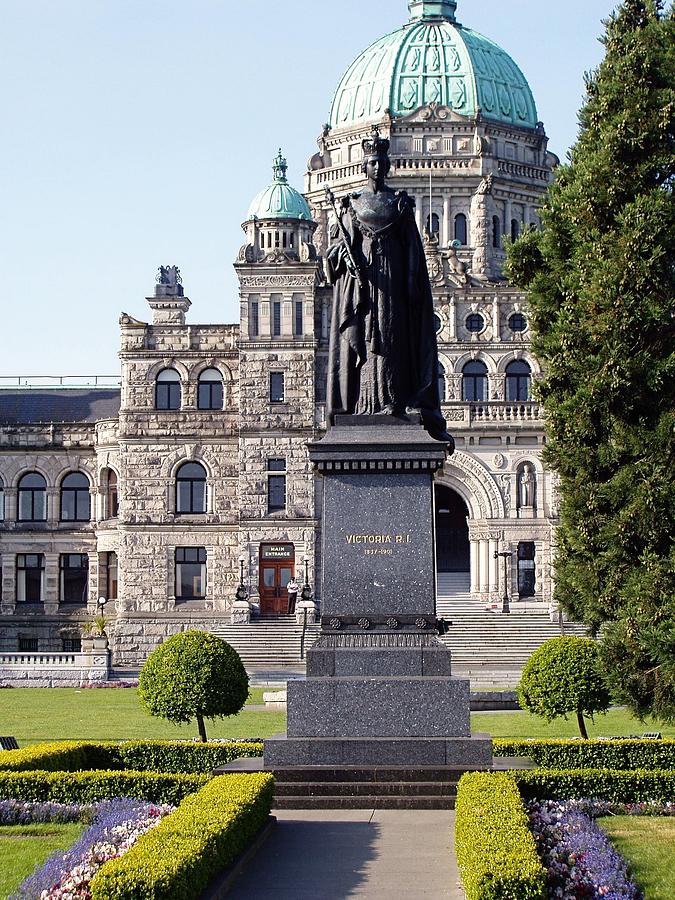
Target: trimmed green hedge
{"points": [[496, 852], [593, 754], [156, 756], [178, 858], [607, 784], [182, 756], [86, 787]]}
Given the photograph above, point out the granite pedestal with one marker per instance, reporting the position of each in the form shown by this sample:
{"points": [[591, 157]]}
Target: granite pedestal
{"points": [[379, 688]]}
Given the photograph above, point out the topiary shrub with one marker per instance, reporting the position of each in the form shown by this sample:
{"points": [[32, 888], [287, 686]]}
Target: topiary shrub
{"points": [[564, 676], [193, 675]]}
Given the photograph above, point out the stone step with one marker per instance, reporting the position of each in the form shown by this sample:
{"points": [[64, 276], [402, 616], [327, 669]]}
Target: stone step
{"points": [[364, 802], [365, 788], [373, 774]]}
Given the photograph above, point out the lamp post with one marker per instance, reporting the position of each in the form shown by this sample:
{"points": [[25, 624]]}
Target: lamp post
{"points": [[305, 560], [101, 604], [505, 555], [242, 593]]}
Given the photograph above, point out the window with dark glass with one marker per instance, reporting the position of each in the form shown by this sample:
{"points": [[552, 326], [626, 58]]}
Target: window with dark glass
{"points": [[191, 488], [474, 381], [30, 570], [517, 322], [299, 318], [526, 568], [496, 232], [75, 499], [460, 229], [276, 318], [276, 485], [74, 577], [475, 323], [254, 320], [190, 573], [71, 645], [515, 229], [518, 380], [111, 575], [167, 390], [32, 498], [28, 645], [2, 501], [277, 387], [111, 495], [441, 383], [210, 390], [433, 225]]}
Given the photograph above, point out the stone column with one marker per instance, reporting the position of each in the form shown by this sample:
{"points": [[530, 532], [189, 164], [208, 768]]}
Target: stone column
{"points": [[52, 575], [324, 320], [452, 318], [473, 564], [494, 565], [508, 215], [265, 317], [446, 222], [496, 325], [484, 565], [418, 212]]}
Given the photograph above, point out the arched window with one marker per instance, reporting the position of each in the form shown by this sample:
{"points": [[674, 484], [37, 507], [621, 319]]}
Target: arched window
{"points": [[515, 229], [32, 498], [441, 383], [75, 501], [474, 381], [496, 232], [460, 229], [167, 390], [210, 390], [2, 500], [433, 225], [518, 379], [111, 496], [191, 488]]}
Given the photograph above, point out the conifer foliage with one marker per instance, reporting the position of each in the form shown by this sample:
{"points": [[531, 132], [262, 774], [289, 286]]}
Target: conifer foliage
{"points": [[600, 281]]}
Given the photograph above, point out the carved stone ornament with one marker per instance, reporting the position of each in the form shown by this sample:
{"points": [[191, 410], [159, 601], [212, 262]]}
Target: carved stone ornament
{"points": [[169, 275], [434, 111], [278, 280], [364, 624], [335, 624], [422, 624], [392, 623], [499, 460]]}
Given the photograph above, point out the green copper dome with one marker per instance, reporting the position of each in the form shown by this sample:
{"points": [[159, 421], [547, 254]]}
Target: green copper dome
{"points": [[279, 200], [433, 59]]}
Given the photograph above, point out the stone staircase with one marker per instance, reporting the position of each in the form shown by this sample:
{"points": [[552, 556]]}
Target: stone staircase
{"points": [[270, 644], [487, 646]]}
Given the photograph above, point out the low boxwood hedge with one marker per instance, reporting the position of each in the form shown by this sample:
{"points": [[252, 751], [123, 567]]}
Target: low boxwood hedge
{"points": [[496, 852], [177, 859], [156, 756], [620, 786], [593, 754], [87, 787]]}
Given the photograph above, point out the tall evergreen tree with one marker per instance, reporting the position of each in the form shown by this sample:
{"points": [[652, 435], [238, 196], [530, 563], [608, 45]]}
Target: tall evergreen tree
{"points": [[600, 279]]}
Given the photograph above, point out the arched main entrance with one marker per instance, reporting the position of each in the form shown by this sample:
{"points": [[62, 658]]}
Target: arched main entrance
{"points": [[452, 531]]}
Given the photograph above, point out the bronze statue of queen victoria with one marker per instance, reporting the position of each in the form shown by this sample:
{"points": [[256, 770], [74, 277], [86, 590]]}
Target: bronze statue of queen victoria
{"points": [[383, 358]]}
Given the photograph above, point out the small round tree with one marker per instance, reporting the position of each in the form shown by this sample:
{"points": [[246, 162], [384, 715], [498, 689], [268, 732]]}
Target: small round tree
{"points": [[564, 676], [193, 675]]}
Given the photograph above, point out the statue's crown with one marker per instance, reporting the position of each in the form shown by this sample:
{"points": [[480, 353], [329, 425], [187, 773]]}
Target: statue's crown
{"points": [[374, 144]]}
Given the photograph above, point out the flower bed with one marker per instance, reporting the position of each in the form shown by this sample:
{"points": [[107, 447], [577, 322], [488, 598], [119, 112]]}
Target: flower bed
{"points": [[29, 812], [593, 754], [579, 857], [116, 826]]}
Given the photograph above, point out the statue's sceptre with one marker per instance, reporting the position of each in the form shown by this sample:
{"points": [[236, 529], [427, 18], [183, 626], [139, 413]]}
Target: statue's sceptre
{"points": [[352, 265]]}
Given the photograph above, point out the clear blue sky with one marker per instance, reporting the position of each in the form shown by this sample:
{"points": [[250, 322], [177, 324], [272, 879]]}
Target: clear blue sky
{"points": [[136, 132]]}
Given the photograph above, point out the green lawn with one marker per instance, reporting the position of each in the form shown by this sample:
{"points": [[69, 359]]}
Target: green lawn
{"points": [[648, 844], [25, 847], [44, 714], [523, 725]]}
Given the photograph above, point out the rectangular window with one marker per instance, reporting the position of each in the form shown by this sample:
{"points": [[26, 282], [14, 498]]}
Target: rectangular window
{"points": [[277, 387], [276, 485], [74, 577], [28, 645], [526, 569], [111, 576], [190, 573], [254, 319], [71, 645], [30, 571], [2, 502], [299, 318], [276, 318]]}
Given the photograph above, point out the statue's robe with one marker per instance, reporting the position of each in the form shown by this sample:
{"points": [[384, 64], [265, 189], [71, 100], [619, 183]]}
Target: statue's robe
{"points": [[383, 356]]}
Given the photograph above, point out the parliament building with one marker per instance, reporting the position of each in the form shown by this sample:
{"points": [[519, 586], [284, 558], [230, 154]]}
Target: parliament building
{"points": [[165, 491]]}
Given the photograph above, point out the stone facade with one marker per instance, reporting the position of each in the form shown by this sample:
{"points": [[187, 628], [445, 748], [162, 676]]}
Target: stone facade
{"points": [[474, 181]]}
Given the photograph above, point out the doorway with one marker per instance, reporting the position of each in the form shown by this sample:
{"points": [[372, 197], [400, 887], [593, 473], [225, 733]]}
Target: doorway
{"points": [[277, 568], [452, 531]]}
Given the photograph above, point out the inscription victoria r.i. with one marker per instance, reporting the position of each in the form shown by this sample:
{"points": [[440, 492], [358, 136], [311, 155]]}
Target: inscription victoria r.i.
{"points": [[377, 538]]}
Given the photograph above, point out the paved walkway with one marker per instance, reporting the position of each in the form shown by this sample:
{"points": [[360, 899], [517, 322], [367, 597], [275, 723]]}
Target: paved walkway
{"points": [[337, 854]]}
